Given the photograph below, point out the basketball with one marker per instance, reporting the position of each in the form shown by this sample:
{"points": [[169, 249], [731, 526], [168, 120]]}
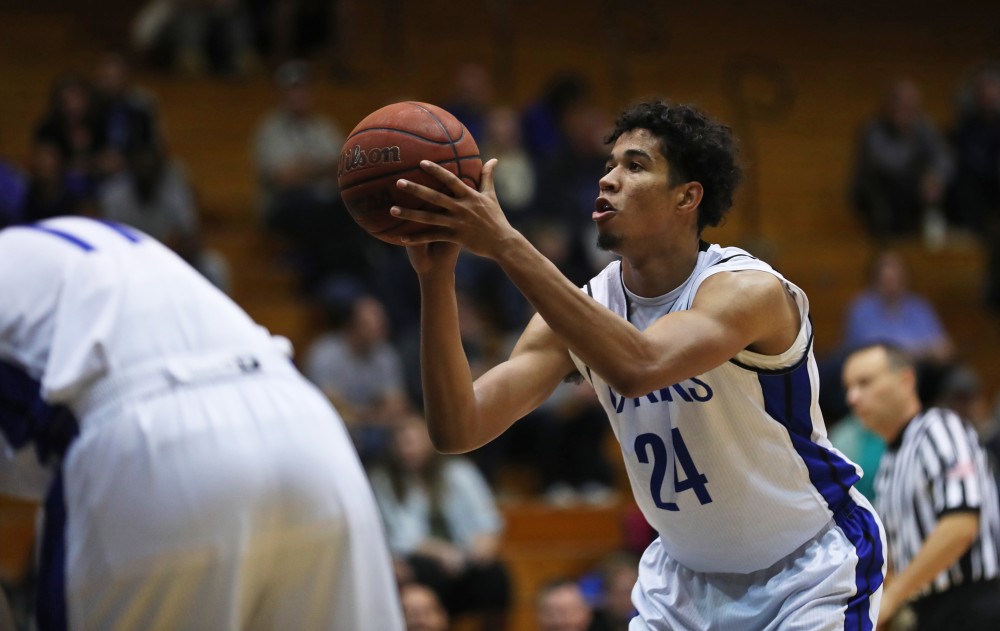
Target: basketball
{"points": [[389, 144]]}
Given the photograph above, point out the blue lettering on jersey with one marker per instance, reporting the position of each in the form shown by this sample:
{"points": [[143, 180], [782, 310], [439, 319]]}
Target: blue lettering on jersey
{"points": [[699, 392]]}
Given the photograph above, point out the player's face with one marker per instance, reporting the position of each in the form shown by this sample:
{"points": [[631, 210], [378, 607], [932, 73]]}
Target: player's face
{"points": [[635, 195], [875, 391]]}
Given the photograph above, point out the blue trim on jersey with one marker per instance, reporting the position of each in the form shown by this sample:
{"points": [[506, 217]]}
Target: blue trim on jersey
{"points": [[50, 608], [121, 229], [77, 241], [788, 400], [862, 530]]}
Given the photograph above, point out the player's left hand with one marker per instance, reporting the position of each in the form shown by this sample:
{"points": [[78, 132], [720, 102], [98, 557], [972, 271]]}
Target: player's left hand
{"points": [[468, 217]]}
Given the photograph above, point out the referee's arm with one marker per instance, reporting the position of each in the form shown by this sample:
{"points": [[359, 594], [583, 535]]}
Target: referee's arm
{"points": [[945, 545]]}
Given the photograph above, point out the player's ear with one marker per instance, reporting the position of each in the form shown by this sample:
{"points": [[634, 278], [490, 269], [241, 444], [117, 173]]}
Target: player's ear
{"points": [[689, 196]]}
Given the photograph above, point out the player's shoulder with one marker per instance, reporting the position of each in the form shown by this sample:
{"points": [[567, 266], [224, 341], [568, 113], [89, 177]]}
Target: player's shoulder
{"points": [[742, 285]]}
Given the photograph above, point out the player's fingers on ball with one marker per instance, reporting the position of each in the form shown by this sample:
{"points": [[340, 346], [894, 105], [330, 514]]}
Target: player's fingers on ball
{"points": [[446, 177], [425, 193], [486, 181], [430, 217]]}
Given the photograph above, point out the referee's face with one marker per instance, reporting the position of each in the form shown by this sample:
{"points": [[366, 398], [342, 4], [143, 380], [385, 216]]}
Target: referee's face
{"points": [[877, 393]]}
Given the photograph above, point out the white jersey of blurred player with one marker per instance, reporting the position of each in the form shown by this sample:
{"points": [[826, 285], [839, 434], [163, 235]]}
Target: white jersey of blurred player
{"points": [[734, 470], [210, 485]]}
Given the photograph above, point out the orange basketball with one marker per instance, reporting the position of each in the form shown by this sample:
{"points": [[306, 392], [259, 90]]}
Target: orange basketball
{"points": [[389, 144]]}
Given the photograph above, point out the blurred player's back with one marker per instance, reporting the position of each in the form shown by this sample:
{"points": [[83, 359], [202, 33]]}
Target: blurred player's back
{"points": [[210, 485]]}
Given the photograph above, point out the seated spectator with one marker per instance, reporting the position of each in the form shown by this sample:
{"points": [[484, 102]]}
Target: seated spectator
{"points": [[13, 192], [196, 36], [289, 29], [74, 126], [572, 427], [441, 519], [357, 367], [609, 591], [516, 181], [561, 606], [153, 194], [296, 151], [888, 310], [471, 97], [901, 168], [541, 120], [422, 609], [51, 190], [974, 200], [129, 116], [569, 175]]}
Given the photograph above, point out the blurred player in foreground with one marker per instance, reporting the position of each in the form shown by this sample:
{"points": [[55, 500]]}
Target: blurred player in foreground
{"points": [[702, 357], [200, 481]]}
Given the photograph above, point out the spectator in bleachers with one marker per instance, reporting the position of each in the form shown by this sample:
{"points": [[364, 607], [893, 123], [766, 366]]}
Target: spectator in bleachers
{"points": [[422, 609], [888, 310], [569, 174], [154, 194], [441, 519], [542, 119], [516, 181], [975, 193], [572, 428], [129, 114], [561, 606], [901, 168], [356, 366], [609, 590], [289, 29], [196, 36], [471, 98], [296, 151], [13, 191], [52, 191], [74, 126]]}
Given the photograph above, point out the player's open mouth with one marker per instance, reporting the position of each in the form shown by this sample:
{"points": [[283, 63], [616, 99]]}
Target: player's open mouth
{"points": [[602, 210]]}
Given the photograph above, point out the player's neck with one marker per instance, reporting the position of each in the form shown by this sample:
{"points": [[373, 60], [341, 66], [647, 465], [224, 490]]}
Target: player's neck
{"points": [[662, 271]]}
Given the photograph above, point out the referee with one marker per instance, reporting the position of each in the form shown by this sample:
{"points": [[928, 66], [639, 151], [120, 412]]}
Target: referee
{"points": [[936, 496]]}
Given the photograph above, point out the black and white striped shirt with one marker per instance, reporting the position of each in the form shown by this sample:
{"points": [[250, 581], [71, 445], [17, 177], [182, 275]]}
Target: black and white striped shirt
{"points": [[937, 466]]}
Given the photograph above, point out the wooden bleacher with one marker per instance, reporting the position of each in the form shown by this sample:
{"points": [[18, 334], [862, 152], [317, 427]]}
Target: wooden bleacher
{"points": [[836, 60]]}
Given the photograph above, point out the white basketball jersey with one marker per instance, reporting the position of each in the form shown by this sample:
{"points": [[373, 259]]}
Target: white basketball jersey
{"points": [[65, 321], [733, 466]]}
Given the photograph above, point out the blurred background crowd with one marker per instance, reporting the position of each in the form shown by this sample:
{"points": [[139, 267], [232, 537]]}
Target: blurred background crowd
{"points": [[872, 143]]}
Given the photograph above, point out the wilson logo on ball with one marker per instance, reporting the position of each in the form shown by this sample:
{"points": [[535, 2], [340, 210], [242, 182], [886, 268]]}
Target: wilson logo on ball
{"points": [[357, 157]]}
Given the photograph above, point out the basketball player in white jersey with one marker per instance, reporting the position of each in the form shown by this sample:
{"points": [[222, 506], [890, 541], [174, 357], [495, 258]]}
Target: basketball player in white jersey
{"points": [[702, 357], [201, 482]]}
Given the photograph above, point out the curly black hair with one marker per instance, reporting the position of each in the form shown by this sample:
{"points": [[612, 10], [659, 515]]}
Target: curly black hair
{"points": [[697, 148]]}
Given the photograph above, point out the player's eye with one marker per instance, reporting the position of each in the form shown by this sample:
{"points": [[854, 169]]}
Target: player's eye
{"points": [[634, 166], [608, 167]]}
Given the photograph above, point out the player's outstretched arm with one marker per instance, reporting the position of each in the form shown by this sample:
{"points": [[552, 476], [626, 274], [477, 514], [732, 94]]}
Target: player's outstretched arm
{"points": [[461, 415], [732, 311]]}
